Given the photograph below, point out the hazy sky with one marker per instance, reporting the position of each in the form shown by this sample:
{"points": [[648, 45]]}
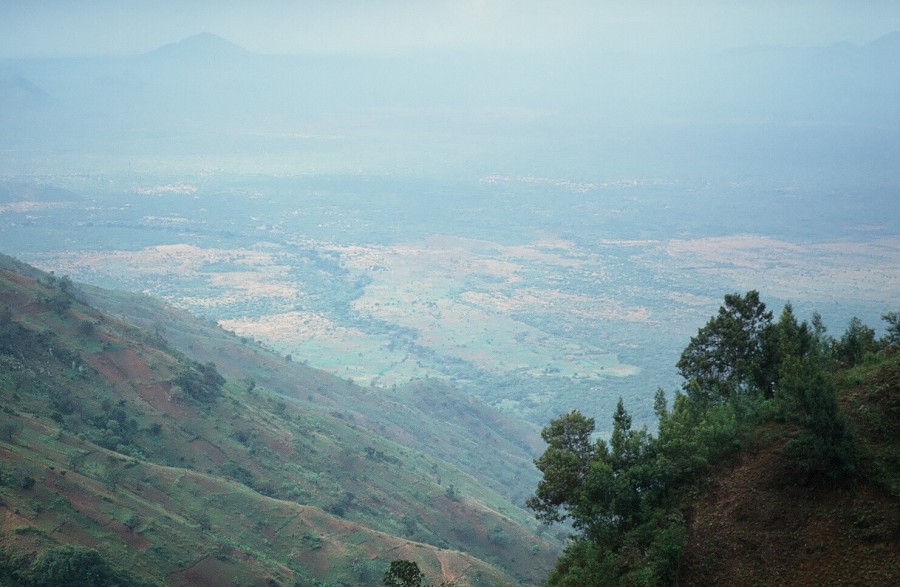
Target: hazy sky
{"points": [[30, 28]]}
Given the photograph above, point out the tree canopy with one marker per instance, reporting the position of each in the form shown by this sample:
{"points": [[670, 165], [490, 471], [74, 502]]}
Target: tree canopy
{"points": [[734, 351], [403, 573]]}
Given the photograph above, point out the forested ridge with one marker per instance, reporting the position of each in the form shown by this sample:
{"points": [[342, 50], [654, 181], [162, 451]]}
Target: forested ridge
{"points": [[777, 463]]}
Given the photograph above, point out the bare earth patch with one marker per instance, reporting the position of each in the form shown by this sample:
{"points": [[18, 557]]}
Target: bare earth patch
{"points": [[758, 525], [836, 270]]}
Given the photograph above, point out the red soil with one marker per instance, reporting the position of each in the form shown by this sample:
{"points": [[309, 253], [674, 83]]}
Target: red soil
{"points": [[127, 371], [759, 525]]}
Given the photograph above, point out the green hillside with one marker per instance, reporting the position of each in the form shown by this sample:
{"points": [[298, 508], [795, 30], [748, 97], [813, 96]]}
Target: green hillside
{"points": [[426, 414], [183, 454]]}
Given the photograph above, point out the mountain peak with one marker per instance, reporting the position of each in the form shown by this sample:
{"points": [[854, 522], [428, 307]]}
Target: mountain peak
{"points": [[16, 89], [888, 42], [206, 45]]}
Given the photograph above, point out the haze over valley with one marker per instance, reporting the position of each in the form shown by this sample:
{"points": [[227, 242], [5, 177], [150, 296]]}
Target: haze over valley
{"points": [[526, 240]]}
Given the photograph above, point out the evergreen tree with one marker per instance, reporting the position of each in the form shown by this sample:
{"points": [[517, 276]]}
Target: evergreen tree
{"points": [[807, 397], [855, 344], [735, 351], [892, 334]]}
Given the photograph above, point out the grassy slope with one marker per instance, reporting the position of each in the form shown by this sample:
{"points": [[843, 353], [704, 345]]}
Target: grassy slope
{"points": [[241, 486], [761, 523]]}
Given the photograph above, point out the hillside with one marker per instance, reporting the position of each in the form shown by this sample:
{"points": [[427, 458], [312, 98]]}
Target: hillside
{"points": [[112, 438], [414, 415], [761, 523], [776, 465]]}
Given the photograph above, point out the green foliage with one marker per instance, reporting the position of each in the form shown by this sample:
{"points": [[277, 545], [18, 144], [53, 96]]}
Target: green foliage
{"points": [[367, 571], [86, 328], [565, 464], [892, 331], [497, 535], [26, 482], [65, 285], [585, 564], [855, 344], [625, 498], [200, 381], [451, 493], [16, 478], [10, 569], [9, 430], [238, 473], [342, 504], [403, 573], [734, 351], [613, 494], [874, 399], [132, 521], [806, 397], [74, 566], [58, 301]]}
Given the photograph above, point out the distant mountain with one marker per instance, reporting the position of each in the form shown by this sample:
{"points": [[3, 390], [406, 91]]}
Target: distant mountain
{"points": [[889, 43], [841, 83], [210, 93], [201, 46], [884, 44], [18, 91]]}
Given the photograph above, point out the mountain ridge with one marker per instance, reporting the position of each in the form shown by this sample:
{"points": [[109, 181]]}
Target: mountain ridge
{"points": [[207, 84]]}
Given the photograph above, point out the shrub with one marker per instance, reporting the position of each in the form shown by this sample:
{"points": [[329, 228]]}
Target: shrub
{"points": [[75, 566], [237, 473], [403, 573], [201, 382], [85, 328]]}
